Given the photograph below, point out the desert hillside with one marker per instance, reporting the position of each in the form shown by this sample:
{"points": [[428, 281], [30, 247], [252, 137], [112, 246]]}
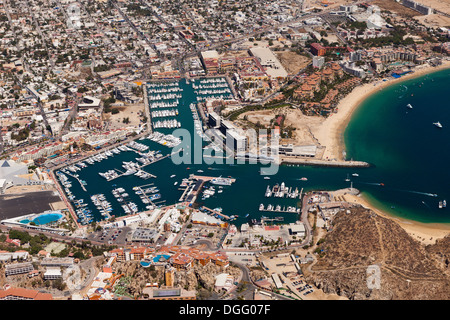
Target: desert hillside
{"points": [[408, 269]]}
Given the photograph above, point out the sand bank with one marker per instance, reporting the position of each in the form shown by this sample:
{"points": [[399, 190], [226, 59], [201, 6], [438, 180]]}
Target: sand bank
{"points": [[330, 134]]}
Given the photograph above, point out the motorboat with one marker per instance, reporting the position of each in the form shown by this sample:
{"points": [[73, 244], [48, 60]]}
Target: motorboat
{"points": [[437, 124]]}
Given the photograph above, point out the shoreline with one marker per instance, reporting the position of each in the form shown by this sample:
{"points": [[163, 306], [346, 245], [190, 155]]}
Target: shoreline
{"points": [[330, 134], [426, 233]]}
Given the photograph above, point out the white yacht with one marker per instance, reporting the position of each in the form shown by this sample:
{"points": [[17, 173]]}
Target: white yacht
{"points": [[437, 124]]}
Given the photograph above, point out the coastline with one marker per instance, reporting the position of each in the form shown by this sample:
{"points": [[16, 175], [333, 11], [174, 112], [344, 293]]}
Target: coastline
{"points": [[330, 134], [422, 232]]}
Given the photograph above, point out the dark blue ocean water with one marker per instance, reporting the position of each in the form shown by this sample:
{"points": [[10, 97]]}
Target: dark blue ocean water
{"points": [[409, 156]]}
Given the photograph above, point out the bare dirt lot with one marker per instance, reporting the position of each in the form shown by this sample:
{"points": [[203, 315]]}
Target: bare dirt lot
{"points": [[434, 20], [393, 6], [292, 61], [132, 112], [441, 5], [304, 125]]}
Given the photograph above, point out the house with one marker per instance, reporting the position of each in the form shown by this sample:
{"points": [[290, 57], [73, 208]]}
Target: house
{"points": [[12, 293]]}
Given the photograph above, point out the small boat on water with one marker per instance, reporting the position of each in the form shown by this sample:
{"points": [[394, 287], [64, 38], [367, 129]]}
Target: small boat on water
{"points": [[437, 124], [347, 179], [304, 179], [409, 106], [266, 178], [355, 175]]}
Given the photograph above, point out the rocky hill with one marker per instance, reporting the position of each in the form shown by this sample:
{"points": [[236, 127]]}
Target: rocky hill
{"points": [[196, 277], [408, 269]]}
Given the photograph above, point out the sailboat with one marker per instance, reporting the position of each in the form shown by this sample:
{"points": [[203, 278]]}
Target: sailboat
{"points": [[348, 179]]}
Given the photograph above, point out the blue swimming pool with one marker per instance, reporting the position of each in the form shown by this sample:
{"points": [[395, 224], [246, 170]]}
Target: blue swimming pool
{"points": [[145, 264], [161, 257], [43, 219]]}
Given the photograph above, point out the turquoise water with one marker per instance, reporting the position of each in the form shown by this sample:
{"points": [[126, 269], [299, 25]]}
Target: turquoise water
{"points": [[409, 156], [44, 219]]}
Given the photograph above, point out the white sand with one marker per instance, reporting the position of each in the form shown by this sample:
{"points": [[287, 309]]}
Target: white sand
{"points": [[330, 133]]}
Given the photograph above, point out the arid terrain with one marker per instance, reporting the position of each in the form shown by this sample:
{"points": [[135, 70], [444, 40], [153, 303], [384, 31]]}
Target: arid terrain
{"points": [[304, 125], [292, 62], [408, 269]]}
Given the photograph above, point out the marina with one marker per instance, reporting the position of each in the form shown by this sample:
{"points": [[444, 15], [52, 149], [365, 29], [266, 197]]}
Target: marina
{"points": [[192, 183], [281, 191], [278, 208]]}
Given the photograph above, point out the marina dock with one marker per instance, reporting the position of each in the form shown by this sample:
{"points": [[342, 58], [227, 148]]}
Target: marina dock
{"points": [[277, 208], [280, 191], [139, 168], [207, 178], [143, 191], [215, 212], [75, 177]]}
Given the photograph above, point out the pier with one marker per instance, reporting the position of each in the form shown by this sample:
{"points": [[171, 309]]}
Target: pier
{"points": [[324, 163], [278, 191], [121, 174], [144, 193], [207, 178], [264, 219], [215, 212], [73, 176], [271, 208]]}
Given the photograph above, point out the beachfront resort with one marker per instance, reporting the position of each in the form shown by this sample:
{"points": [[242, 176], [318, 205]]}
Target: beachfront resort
{"points": [[225, 152]]}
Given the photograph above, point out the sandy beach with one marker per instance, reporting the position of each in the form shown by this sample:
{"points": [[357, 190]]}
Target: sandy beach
{"points": [[330, 133], [423, 232]]}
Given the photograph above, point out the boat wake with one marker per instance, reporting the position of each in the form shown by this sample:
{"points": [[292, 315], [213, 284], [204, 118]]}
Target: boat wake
{"points": [[372, 183], [418, 192], [426, 204]]}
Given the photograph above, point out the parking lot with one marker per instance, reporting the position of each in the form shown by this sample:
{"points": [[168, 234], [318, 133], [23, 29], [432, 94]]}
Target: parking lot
{"points": [[110, 236], [201, 232]]}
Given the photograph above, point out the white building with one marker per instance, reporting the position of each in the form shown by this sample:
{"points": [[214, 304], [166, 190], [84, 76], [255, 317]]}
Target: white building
{"points": [[53, 273], [270, 62]]}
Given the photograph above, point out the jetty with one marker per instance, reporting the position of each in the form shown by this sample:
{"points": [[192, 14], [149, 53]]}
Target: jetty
{"points": [[324, 163]]}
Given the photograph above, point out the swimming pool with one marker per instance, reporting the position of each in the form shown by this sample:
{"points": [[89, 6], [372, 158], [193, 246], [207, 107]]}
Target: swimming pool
{"points": [[145, 264], [43, 219], [161, 257]]}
